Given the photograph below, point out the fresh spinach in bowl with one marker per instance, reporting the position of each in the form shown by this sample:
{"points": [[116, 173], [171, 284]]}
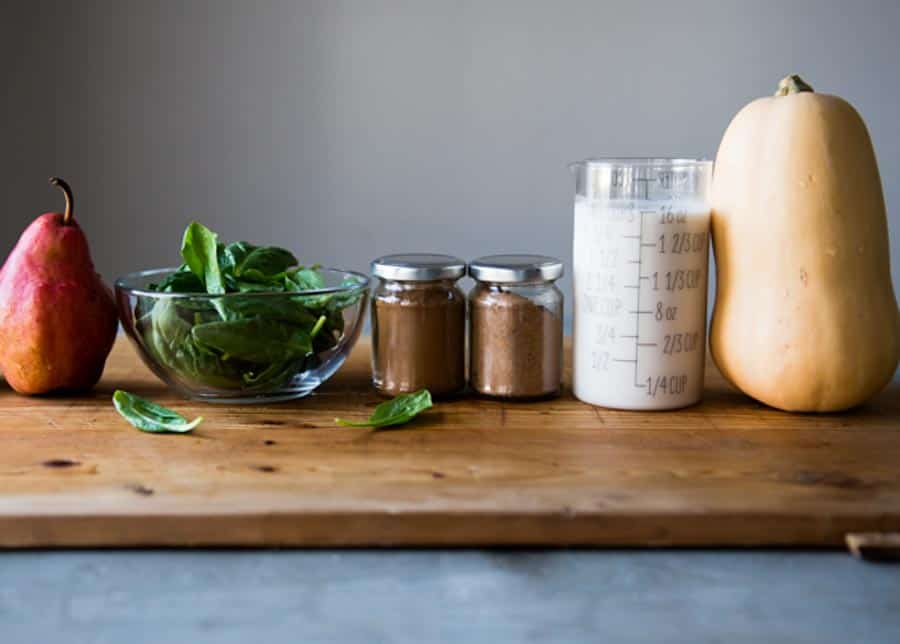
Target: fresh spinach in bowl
{"points": [[253, 342]]}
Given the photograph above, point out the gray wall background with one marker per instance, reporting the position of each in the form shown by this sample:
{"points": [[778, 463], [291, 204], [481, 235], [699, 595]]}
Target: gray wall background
{"points": [[349, 129]]}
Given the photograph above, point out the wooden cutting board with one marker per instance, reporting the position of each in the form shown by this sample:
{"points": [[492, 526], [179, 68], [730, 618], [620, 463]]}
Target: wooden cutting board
{"points": [[469, 472]]}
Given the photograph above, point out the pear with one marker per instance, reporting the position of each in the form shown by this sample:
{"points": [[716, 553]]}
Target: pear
{"points": [[57, 318]]}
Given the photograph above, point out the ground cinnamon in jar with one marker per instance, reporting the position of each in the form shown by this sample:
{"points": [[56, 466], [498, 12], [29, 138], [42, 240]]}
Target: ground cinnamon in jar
{"points": [[418, 325], [516, 326]]}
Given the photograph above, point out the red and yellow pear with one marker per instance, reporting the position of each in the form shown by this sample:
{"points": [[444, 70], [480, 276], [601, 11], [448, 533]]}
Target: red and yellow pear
{"points": [[57, 318]]}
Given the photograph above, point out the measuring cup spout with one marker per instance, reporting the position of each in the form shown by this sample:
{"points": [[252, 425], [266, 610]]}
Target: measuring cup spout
{"points": [[578, 169]]}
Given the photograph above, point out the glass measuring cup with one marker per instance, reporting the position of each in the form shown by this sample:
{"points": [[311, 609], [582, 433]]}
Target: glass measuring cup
{"points": [[641, 261]]}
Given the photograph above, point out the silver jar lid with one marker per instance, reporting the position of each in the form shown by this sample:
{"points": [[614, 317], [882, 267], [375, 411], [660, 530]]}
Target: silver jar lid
{"points": [[516, 269], [418, 267]]}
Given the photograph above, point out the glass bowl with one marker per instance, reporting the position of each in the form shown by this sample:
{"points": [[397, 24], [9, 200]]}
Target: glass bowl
{"points": [[243, 347]]}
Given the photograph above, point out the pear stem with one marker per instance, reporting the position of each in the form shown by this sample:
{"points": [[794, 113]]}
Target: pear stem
{"points": [[792, 84], [70, 200]]}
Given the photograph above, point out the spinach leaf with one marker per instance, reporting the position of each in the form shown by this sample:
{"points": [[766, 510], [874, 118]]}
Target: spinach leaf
{"points": [[168, 338], [271, 308], [200, 249], [244, 286], [304, 279], [232, 255], [257, 276], [264, 263], [181, 281], [340, 301], [274, 374], [254, 340], [398, 411], [149, 417]]}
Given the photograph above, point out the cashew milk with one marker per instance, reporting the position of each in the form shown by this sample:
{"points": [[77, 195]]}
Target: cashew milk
{"points": [[640, 275]]}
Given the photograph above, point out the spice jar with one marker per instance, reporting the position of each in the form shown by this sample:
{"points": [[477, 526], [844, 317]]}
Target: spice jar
{"points": [[418, 324], [516, 326]]}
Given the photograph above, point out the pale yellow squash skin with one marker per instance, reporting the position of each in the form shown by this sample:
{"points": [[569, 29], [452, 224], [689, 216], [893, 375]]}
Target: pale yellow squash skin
{"points": [[805, 317]]}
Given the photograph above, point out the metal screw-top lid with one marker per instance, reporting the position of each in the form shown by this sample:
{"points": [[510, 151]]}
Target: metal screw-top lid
{"points": [[418, 267], [516, 269]]}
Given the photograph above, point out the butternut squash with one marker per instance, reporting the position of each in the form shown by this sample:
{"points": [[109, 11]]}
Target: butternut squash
{"points": [[805, 317]]}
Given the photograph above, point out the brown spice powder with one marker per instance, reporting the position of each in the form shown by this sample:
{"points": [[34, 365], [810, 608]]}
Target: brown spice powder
{"points": [[516, 346], [418, 339]]}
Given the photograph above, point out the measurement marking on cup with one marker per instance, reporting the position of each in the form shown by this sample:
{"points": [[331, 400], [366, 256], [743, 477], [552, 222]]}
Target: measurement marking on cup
{"points": [[637, 317]]}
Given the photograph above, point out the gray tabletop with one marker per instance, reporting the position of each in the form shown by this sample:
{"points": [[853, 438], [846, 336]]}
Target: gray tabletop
{"points": [[434, 596]]}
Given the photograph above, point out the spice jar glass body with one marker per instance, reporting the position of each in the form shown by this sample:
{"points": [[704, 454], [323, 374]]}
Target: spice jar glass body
{"points": [[516, 339], [418, 337]]}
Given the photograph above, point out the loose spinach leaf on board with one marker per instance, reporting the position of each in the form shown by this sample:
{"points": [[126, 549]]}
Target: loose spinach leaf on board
{"points": [[398, 411], [200, 251], [149, 417]]}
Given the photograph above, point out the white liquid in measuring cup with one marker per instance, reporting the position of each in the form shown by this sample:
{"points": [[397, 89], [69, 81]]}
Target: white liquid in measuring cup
{"points": [[640, 273]]}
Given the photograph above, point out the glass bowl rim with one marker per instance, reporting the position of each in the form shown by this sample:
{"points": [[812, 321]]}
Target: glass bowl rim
{"points": [[123, 283]]}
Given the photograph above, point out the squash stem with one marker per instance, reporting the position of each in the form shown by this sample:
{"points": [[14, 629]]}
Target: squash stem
{"points": [[792, 84]]}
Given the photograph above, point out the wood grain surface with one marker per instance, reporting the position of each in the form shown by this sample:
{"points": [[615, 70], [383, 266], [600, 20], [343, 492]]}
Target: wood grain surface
{"points": [[469, 472]]}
